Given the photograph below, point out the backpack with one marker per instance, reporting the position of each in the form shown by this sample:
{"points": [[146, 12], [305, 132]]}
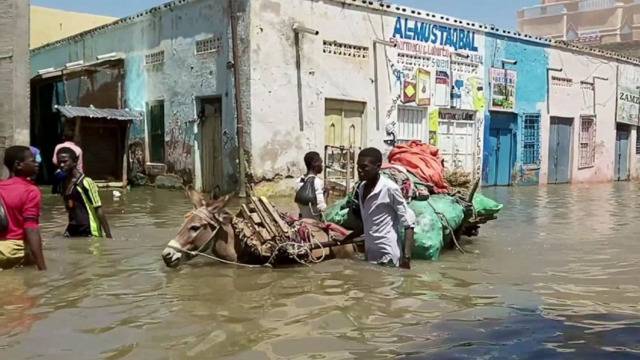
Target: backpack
{"points": [[306, 195], [4, 219]]}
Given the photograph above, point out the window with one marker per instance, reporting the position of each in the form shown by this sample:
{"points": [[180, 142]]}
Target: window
{"points": [[531, 140], [587, 142], [208, 45], [638, 140], [342, 49], [154, 58], [412, 124]]}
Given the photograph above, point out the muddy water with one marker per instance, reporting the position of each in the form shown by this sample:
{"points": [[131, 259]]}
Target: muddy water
{"points": [[557, 276]]}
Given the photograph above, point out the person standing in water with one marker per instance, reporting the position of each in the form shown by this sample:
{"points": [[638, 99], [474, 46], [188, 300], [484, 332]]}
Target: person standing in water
{"points": [[20, 198], [310, 192], [81, 199], [384, 214]]}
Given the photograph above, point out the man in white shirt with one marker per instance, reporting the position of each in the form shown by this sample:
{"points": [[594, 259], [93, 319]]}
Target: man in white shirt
{"points": [[384, 211], [315, 207]]}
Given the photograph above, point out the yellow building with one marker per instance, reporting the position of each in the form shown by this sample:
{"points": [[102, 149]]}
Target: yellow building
{"points": [[49, 25]]}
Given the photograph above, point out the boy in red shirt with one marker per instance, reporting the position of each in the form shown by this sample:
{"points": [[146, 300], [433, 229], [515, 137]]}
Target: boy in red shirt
{"points": [[21, 200]]}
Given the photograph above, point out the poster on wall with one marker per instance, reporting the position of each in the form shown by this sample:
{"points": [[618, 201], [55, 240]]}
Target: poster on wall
{"points": [[409, 92], [503, 89], [434, 124], [443, 91], [424, 87], [628, 108]]}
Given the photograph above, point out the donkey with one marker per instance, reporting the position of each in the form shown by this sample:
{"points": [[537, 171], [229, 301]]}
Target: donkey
{"points": [[209, 229]]}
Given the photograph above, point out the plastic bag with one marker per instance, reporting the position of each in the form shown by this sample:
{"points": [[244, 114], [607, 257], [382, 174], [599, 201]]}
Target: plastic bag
{"points": [[485, 206], [306, 195]]}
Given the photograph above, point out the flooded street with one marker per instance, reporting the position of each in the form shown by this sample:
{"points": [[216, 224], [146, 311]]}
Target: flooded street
{"points": [[556, 276]]}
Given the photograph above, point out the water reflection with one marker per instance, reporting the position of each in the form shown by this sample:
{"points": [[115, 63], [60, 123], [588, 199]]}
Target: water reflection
{"points": [[555, 276]]}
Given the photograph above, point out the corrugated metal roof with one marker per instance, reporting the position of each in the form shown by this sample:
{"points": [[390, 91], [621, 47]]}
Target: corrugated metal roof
{"points": [[90, 112]]}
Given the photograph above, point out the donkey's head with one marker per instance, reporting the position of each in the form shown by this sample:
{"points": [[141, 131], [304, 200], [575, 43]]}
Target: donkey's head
{"points": [[206, 229]]}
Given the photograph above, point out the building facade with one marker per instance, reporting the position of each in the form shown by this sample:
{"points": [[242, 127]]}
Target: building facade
{"points": [[608, 24], [14, 74], [508, 108]]}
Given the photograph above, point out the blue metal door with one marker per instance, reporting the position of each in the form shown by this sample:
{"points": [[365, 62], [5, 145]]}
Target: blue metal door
{"points": [[560, 150], [501, 150], [622, 153]]}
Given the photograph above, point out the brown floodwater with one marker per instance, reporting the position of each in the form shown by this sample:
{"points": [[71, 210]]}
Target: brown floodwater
{"points": [[556, 276]]}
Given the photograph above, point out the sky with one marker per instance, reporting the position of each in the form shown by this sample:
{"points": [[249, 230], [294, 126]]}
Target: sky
{"points": [[501, 13]]}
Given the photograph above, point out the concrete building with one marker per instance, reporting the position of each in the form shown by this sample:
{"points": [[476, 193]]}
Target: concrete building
{"points": [[14, 73], [48, 25], [506, 107], [608, 24]]}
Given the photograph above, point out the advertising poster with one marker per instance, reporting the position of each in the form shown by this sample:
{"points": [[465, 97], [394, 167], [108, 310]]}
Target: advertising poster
{"points": [[424, 87], [409, 92], [503, 89], [443, 92], [628, 96]]}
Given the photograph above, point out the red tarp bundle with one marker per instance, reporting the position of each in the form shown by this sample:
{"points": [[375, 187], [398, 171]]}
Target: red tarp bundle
{"points": [[423, 161]]}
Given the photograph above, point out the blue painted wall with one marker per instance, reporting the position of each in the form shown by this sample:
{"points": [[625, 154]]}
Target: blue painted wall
{"points": [[531, 93]]}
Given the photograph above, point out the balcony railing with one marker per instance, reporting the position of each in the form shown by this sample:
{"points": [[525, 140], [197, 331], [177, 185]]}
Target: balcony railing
{"points": [[586, 5], [544, 10]]}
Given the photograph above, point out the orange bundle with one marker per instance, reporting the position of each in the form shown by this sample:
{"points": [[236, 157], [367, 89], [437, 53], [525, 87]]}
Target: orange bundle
{"points": [[423, 161]]}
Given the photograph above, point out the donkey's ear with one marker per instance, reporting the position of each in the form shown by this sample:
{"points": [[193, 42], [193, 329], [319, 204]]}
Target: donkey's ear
{"points": [[215, 205], [196, 197]]}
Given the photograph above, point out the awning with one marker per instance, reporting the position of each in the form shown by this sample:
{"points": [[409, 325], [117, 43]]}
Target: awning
{"points": [[91, 112]]}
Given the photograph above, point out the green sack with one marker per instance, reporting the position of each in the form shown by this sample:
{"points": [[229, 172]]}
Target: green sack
{"points": [[340, 213], [337, 212], [428, 239], [485, 206], [436, 218]]}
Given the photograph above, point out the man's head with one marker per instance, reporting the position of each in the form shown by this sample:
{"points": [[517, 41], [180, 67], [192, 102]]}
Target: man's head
{"points": [[313, 162], [369, 163], [67, 159], [20, 161]]}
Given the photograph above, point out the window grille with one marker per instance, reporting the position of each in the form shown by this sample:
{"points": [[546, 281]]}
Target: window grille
{"points": [[638, 141], [587, 156], [412, 124], [557, 81], [154, 58], [531, 140], [347, 50], [208, 45]]}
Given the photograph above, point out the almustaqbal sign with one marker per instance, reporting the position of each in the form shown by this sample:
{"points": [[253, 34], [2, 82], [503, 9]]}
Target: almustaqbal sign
{"points": [[435, 34]]}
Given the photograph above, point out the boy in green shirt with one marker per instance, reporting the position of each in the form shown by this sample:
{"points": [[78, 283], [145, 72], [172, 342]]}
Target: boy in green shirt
{"points": [[81, 199]]}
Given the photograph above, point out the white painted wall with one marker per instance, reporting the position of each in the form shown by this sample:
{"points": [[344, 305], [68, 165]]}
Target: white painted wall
{"points": [[575, 101], [278, 145]]}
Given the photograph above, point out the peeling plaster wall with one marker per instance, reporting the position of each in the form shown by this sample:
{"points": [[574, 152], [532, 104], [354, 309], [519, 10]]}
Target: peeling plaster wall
{"points": [[179, 81], [278, 143], [573, 102]]}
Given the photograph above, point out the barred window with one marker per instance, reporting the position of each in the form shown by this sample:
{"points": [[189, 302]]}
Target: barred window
{"points": [[638, 141], [154, 58], [587, 142], [412, 124], [208, 45], [531, 140]]}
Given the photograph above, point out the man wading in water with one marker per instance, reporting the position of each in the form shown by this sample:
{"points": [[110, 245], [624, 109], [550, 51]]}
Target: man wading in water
{"points": [[81, 199], [383, 210], [20, 240], [310, 192]]}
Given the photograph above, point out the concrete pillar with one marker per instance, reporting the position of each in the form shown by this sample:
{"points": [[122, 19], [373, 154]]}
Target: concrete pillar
{"points": [[14, 73]]}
